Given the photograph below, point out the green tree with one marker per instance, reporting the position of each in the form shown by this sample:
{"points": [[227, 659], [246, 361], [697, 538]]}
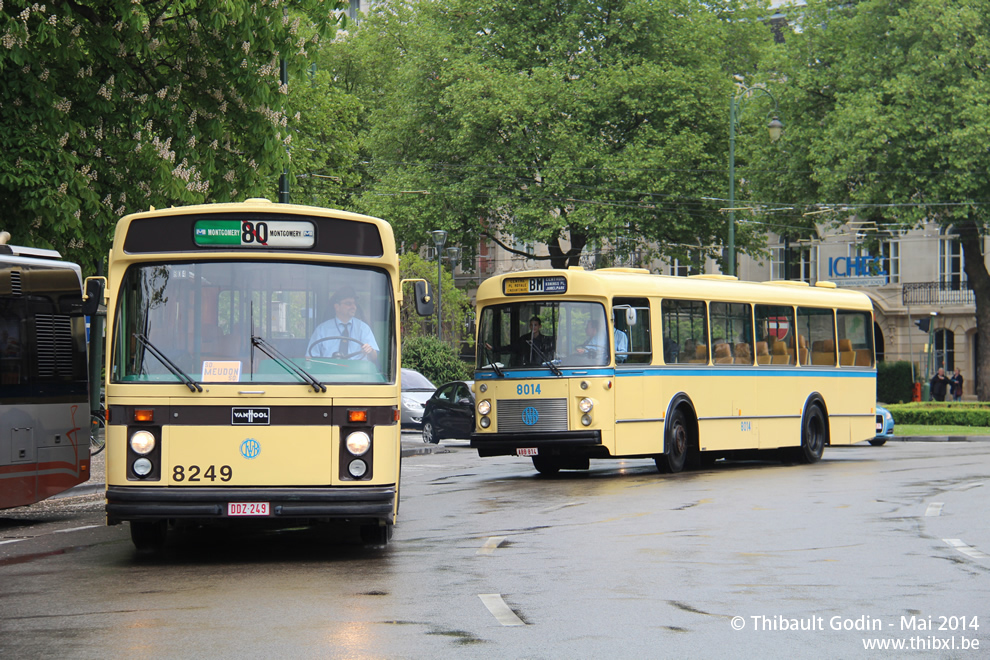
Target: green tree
{"points": [[570, 123], [434, 359], [456, 306], [885, 104], [111, 106]]}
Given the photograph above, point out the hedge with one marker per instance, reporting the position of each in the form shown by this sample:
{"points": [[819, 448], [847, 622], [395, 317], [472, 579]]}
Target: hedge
{"points": [[434, 359], [941, 414], [894, 381]]}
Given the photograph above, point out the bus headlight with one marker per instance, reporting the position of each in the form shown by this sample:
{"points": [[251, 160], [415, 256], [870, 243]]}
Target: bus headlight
{"points": [[586, 419], [357, 468], [143, 442], [142, 467], [358, 443], [485, 422], [585, 405], [484, 407]]}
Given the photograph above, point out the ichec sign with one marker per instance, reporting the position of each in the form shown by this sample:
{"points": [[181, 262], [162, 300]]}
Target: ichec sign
{"points": [[857, 271]]}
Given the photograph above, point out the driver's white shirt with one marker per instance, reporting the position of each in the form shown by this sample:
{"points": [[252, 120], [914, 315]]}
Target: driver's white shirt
{"points": [[359, 330]]}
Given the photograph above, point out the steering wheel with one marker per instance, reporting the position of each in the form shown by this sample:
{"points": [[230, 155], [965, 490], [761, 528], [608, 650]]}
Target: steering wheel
{"points": [[346, 356], [590, 349]]}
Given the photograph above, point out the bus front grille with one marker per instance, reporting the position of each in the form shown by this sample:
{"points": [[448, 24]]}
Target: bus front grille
{"points": [[531, 415]]}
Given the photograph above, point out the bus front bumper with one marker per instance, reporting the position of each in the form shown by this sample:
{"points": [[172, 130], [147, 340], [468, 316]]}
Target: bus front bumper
{"points": [[145, 503], [551, 443]]}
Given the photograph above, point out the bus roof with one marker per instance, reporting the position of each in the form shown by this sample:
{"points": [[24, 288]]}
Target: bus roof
{"points": [[151, 234], [608, 283]]}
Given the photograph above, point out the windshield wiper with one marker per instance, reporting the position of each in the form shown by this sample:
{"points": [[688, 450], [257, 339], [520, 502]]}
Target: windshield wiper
{"points": [[556, 371], [287, 364], [171, 366], [491, 355]]}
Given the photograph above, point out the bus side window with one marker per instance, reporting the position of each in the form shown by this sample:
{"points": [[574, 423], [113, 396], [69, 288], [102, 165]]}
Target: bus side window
{"points": [[685, 331], [633, 341]]}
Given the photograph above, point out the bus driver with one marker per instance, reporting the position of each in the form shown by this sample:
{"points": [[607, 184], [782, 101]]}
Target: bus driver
{"points": [[344, 336]]}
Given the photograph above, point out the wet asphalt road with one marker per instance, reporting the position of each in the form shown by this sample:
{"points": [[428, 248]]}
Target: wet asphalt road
{"points": [[753, 559]]}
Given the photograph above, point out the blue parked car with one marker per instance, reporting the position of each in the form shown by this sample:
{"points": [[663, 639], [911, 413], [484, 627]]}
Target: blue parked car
{"points": [[885, 427]]}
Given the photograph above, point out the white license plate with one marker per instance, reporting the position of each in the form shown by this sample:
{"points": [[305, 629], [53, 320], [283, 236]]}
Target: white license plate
{"points": [[527, 451], [879, 427], [247, 508]]}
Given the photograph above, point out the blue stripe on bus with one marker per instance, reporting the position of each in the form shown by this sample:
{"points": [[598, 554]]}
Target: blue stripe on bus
{"points": [[782, 372]]}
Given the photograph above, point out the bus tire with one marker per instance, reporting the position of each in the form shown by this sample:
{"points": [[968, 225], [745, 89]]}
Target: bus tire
{"points": [[813, 435], [545, 465], [677, 441], [878, 442], [149, 535], [376, 534]]}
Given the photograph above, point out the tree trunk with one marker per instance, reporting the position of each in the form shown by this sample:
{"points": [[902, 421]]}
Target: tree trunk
{"points": [[979, 281]]}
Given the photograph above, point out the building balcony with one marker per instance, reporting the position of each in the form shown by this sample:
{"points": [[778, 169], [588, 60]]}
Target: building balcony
{"points": [[937, 293]]}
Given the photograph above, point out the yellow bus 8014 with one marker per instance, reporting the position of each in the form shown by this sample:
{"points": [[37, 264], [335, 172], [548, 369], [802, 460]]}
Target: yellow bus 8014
{"points": [[252, 372], [574, 365]]}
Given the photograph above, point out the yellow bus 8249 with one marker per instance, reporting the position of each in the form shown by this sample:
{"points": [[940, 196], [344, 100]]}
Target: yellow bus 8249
{"points": [[252, 373], [574, 365]]}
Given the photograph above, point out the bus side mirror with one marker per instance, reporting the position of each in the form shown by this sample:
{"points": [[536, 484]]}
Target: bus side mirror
{"points": [[424, 299], [93, 298], [630, 316]]}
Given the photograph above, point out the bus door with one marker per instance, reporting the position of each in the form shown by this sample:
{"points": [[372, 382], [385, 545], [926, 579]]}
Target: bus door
{"points": [[638, 418]]}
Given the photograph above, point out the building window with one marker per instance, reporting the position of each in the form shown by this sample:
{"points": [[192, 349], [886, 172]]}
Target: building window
{"points": [[682, 269], [950, 260], [890, 255], [791, 262], [945, 349]]}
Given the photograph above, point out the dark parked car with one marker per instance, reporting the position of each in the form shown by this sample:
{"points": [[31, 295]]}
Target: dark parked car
{"points": [[416, 391], [885, 427], [449, 412]]}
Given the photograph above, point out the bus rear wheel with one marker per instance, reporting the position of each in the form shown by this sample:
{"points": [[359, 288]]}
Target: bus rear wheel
{"points": [[676, 444], [149, 536], [812, 436], [545, 465]]}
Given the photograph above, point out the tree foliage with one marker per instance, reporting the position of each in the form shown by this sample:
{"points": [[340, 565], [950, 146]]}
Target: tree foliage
{"points": [[433, 358], [111, 106], [567, 123], [456, 306], [885, 105]]}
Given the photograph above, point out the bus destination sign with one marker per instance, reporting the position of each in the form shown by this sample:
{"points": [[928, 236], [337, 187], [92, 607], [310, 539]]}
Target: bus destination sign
{"points": [[250, 234], [521, 286]]}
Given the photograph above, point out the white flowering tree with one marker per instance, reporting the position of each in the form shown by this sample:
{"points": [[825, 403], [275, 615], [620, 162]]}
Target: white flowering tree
{"points": [[111, 106]]}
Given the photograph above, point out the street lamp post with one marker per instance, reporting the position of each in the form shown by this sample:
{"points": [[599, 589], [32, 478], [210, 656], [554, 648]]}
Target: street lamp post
{"points": [[439, 238], [775, 127]]}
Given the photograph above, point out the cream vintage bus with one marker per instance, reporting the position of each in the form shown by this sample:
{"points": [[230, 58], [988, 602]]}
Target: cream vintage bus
{"points": [[252, 373], [575, 364]]}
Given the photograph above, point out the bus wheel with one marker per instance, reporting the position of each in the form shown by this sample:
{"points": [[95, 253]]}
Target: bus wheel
{"points": [[149, 536], [376, 534], [812, 436], [546, 465], [878, 442], [676, 444]]}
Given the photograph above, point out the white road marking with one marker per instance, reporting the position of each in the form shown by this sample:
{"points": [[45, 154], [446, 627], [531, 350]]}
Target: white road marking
{"points": [[12, 541], [74, 529], [488, 547], [502, 612], [934, 509], [559, 507], [967, 550]]}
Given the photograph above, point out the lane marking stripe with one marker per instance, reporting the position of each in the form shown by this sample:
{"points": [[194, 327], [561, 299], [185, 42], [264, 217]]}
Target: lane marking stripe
{"points": [[502, 612], [967, 550], [934, 509], [489, 546], [74, 529], [11, 541]]}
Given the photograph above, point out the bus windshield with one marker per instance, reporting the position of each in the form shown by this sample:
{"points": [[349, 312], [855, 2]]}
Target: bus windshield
{"points": [[254, 321], [543, 333]]}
